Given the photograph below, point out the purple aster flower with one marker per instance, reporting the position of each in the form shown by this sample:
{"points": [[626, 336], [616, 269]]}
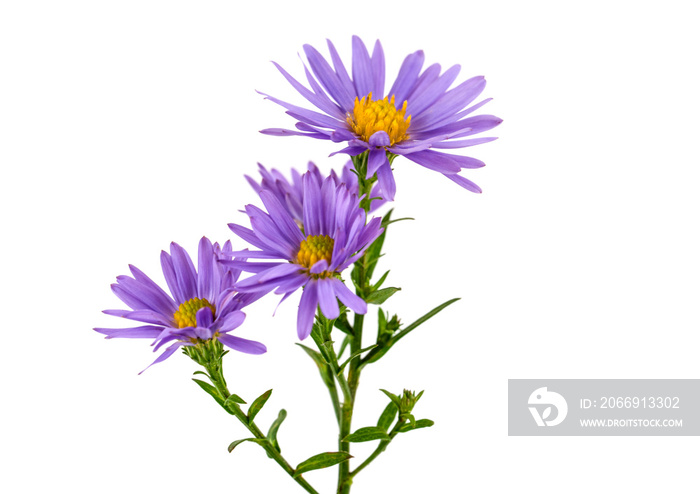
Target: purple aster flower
{"points": [[418, 116], [204, 304], [335, 235], [291, 193]]}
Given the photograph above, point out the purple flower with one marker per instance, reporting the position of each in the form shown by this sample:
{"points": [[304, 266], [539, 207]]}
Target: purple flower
{"points": [[335, 235], [203, 305], [418, 115], [291, 193]]}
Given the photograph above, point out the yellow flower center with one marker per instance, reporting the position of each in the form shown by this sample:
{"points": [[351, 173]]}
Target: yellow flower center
{"points": [[186, 315], [315, 248], [370, 116]]}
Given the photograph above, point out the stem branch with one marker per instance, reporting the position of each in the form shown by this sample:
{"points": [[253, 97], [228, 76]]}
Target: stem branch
{"points": [[215, 373]]}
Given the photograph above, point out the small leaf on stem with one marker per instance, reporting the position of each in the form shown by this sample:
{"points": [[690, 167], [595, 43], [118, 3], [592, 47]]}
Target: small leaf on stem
{"points": [[234, 399], [418, 424], [272, 433], [323, 367], [212, 391], [379, 283], [395, 399], [257, 405], [239, 441], [323, 460], [366, 434], [354, 355], [388, 416], [381, 296]]}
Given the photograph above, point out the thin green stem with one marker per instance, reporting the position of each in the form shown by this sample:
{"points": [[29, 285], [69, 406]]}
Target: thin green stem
{"points": [[216, 375], [353, 381], [354, 368], [336, 402]]}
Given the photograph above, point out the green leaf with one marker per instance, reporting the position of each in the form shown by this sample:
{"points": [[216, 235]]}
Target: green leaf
{"points": [[323, 368], [379, 352], [212, 391], [381, 321], [235, 399], [395, 399], [374, 251], [418, 424], [239, 441], [380, 296], [324, 460], [367, 434], [342, 324], [317, 357], [396, 221], [355, 276], [322, 344], [388, 416], [354, 355], [272, 433], [424, 318], [343, 345], [257, 405], [379, 283], [202, 373]]}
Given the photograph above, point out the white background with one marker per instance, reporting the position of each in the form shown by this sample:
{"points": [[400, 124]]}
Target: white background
{"points": [[126, 125]]}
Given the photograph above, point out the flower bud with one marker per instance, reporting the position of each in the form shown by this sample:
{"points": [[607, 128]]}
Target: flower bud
{"points": [[407, 401]]}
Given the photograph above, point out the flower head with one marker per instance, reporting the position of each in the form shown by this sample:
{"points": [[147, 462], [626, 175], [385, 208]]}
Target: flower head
{"points": [[334, 236], [418, 116], [203, 305]]}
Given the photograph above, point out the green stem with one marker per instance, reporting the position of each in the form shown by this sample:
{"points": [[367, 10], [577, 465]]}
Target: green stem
{"points": [[325, 347], [336, 402], [354, 368], [216, 375]]}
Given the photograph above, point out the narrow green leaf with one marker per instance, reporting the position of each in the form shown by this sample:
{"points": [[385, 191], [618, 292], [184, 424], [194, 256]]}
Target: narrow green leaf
{"points": [[323, 368], [317, 357], [239, 441], [379, 352], [235, 399], [375, 250], [388, 416], [212, 391], [324, 460], [202, 373], [321, 343], [367, 434], [343, 345], [272, 433], [380, 296], [355, 276], [354, 355], [418, 424], [381, 321], [395, 399], [396, 221], [379, 283], [424, 318], [342, 324], [386, 220], [257, 405]]}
